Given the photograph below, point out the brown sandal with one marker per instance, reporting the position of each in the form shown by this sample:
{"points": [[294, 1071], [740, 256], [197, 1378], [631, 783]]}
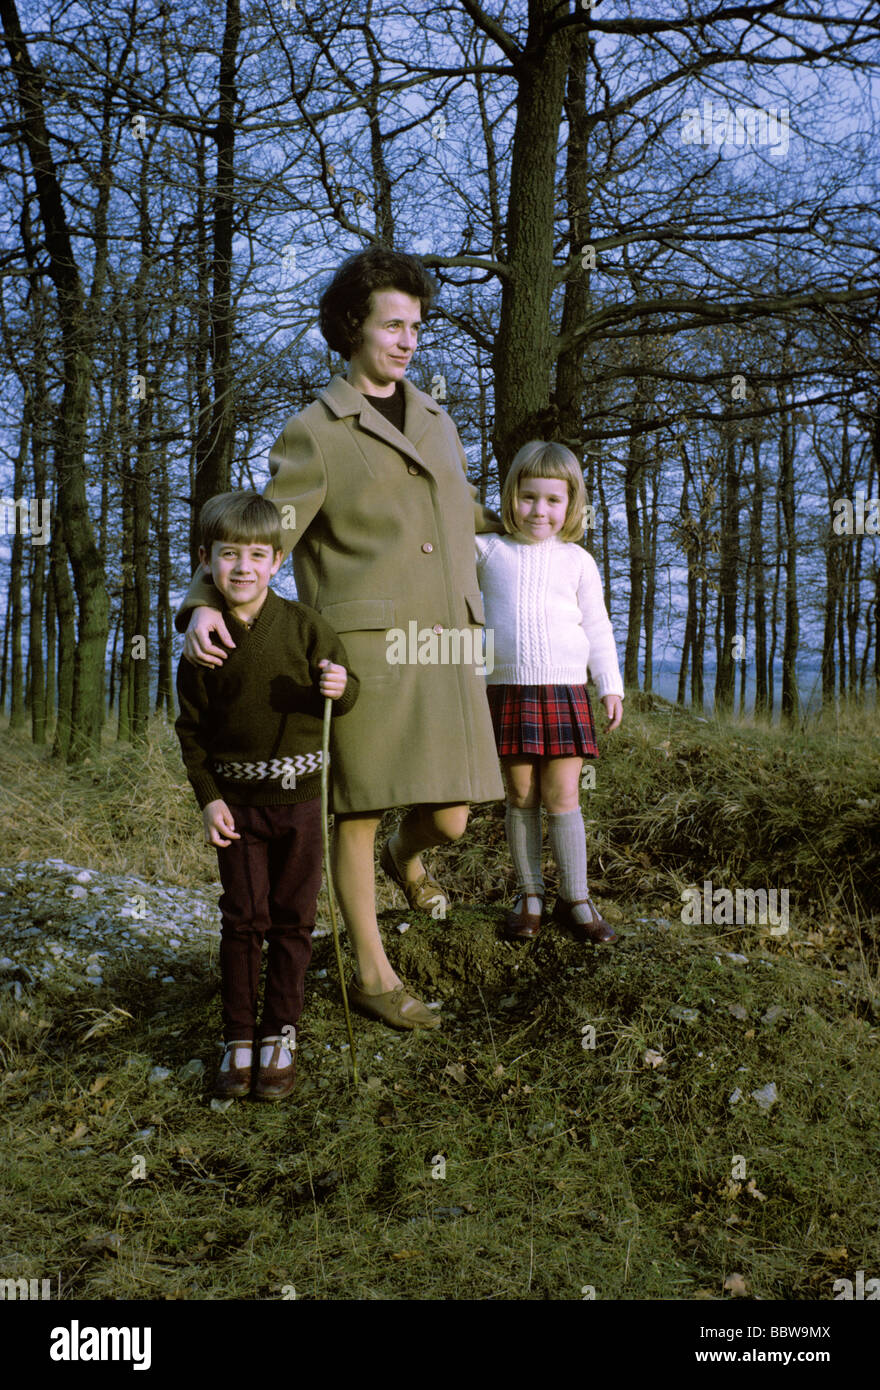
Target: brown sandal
{"points": [[521, 925], [597, 929]]}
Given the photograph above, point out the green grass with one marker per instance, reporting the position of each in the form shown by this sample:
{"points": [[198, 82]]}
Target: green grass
{"points": [[566, 1166]]}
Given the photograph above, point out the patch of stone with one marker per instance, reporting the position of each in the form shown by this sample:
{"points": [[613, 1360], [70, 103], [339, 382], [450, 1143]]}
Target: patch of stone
{"points": [[62, 923]]}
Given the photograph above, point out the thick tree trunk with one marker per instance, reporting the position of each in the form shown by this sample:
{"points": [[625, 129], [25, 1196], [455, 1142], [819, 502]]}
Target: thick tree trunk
{"points": [[77, 335], [727, 578], [18, 519], [216, 439], [523, 358], [757, 552], [790, 700], [66, 627]]}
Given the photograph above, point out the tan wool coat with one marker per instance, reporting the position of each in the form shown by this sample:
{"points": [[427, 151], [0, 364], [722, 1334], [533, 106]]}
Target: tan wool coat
{"points": [[383, 533]]}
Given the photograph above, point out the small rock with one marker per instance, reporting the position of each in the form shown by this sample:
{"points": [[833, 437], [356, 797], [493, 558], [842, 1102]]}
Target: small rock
{"points": [[145, 1133], [682, 1015], [84, 876], [78, 892], [776, 1011], [158, 1074], [320, 974], [738, 1011], [735, 1097], [193, 1070], [402, 927], [766, 1096], [736, 958], [220, 1105], [167, 979]]}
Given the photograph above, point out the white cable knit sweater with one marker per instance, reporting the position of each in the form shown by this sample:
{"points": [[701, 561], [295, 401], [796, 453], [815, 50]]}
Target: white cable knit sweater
{"points": [[544, 602]]}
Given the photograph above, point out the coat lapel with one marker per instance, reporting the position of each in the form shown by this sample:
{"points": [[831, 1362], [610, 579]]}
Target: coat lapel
{"points": [[343, 399]]}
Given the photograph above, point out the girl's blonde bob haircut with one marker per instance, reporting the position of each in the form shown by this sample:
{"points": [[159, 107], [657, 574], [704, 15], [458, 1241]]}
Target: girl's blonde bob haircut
{"points": [[538, 459]]}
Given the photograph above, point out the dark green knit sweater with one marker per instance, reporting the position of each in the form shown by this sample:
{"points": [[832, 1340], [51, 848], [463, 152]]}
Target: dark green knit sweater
{"points": [[262, 706]]}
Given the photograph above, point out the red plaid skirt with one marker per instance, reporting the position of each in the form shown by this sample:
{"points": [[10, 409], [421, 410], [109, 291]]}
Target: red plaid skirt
{"points": [[554, 721]]}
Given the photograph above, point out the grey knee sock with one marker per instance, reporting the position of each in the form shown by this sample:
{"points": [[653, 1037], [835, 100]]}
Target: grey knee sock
{"points": [[523, 829], [568, 841]]}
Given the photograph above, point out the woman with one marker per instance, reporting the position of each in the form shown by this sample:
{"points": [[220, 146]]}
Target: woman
{"points": [[382, 519]]}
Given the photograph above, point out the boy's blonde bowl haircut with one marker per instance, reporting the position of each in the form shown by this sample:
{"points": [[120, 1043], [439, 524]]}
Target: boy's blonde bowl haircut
{"points": [[539, 459], [240, 518]]}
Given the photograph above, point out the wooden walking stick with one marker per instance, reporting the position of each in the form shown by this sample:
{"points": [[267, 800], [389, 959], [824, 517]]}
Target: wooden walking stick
{"points": [[325, 836]]}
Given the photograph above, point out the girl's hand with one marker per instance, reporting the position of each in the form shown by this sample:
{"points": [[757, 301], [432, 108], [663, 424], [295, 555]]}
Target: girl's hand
{"points": [[614, 709], [198, 648], [219, 826], [333, 681]]}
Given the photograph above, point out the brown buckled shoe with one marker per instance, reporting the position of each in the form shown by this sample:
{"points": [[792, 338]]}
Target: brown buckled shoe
{"points": [[235, 1081], [596, 930], [423, 894], [520, 925], [274, 1082]]}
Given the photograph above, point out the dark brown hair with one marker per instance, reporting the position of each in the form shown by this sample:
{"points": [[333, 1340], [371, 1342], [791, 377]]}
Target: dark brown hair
{"points": [[345, 303], [242, 518]]}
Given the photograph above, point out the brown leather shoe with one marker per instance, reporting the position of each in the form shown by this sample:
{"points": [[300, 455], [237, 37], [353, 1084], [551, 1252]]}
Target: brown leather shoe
{"points": [[520, 925], [396, 1007], [236, 1081], [423, 894], [274, 1082], [597, 929]]}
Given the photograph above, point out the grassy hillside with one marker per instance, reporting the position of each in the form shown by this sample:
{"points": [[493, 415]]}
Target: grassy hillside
{"points": [[688, 1114]]}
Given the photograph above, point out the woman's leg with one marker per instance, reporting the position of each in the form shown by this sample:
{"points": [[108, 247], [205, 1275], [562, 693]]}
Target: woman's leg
{"points": [[522, 825], [354, 877], [422, 828]]}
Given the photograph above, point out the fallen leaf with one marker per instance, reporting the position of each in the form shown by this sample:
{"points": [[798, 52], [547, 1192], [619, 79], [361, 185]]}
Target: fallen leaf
{"points": [[736, 1285], [753, 1191], [98, 1085], [78, 1133], [654, 1059], [838, 1254], [405, 1254], [456, 1071], [96, 1245]]}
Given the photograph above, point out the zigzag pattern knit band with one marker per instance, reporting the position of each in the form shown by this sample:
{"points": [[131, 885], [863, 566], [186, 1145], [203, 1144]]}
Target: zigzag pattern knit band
{"points": [[303, 765]]}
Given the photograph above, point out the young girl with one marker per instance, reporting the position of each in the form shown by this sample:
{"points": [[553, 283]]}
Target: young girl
{"points": [[543, 598]]}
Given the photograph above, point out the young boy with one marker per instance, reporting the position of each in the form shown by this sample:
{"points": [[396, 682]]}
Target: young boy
{"points": [[250, 733]]}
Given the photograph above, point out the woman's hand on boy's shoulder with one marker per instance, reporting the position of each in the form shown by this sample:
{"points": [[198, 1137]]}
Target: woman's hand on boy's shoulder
{"points": [[333, 679]]}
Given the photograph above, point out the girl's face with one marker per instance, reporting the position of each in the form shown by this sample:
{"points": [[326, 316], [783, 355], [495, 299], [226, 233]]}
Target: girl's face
{"points": [[541, 507]]}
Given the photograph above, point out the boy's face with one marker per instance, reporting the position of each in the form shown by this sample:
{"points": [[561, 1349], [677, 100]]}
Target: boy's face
{"points": [[241, 571]]}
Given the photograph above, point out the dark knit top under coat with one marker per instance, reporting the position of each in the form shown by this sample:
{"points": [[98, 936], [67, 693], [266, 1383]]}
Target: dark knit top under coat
{"points": [[262, 703]]}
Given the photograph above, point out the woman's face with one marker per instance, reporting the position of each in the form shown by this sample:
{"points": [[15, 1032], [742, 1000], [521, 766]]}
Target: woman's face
{"points": [[390, 337]]}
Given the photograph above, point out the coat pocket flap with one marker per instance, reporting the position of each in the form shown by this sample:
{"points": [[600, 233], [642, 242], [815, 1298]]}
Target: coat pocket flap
{"points": [[475, 609], [359, 615]]}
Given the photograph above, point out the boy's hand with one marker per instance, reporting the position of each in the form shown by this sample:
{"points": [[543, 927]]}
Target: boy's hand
{"points": [[198, 648], [333, 680], [614, 709], [219, 826]]}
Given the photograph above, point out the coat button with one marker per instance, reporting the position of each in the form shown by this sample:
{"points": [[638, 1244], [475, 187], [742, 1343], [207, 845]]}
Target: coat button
{"points": [[427, 547], [438, 627], [413, 468]]}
